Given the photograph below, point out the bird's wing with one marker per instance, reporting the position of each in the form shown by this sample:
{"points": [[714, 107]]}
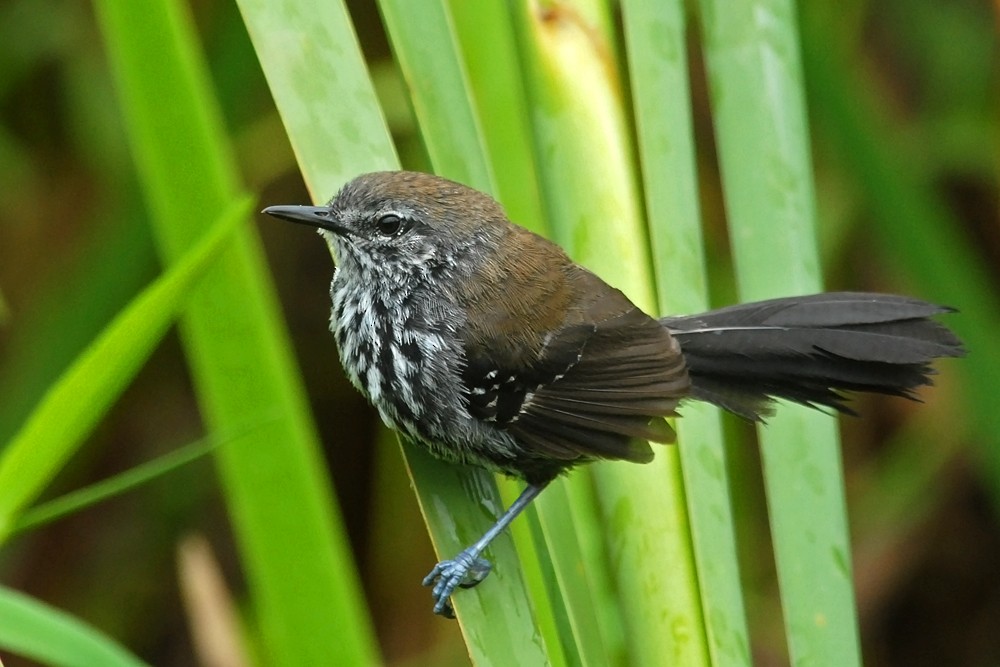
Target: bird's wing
{"points": [[597, 386]]}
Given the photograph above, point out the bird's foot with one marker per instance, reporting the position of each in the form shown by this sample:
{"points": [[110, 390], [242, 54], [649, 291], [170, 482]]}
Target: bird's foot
{"points": [[463, 571]]}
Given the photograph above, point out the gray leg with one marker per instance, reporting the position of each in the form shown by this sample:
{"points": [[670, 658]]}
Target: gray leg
{"points": [[467, 569]]}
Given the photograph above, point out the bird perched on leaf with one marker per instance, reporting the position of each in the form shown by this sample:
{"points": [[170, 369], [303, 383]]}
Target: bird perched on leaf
{"points": [[486, 344]]}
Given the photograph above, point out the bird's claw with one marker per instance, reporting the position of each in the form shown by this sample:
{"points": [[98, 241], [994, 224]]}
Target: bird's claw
{"points": [[463, 571]]}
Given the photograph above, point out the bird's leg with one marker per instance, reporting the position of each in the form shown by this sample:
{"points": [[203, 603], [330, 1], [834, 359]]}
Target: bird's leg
{"points": [[467, 569]]}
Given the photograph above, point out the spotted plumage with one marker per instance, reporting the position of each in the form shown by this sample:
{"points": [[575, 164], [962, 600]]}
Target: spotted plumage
{"points": [[487, 345], [466, 379]]}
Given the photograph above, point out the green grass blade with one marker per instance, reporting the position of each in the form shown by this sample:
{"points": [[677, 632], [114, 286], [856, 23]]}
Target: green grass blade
{"points": [[426, 47], [291, 540], [763, 142], [52, 637], [563, 515], [446, 112], [317, 76], [655, 35], [580, 601], [113, 257], [424, 42], [453, 499], [585, 163], [496, 616], [489, 50], [70, 312], [446, 109], [75, 403], [129, 480]]}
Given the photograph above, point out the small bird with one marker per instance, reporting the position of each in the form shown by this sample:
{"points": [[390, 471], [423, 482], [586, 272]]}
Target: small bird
{"points": [[484, 343]]}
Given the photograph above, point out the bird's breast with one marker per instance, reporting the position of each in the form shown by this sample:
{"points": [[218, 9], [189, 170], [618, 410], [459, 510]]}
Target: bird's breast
{"points": [[399, 354]]}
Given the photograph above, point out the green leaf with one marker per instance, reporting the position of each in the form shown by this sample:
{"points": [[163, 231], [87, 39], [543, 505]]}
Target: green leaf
{"points": [[320, 83], [489, 52], [586, 167], [426, 47], [763, 142], [47, 635], [115, 486], [291, 540], [428, 54], [74, 404], [655, 36], [328, 51]]}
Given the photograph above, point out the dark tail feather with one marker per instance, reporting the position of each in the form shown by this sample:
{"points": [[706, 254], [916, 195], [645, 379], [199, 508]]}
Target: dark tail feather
{"points": [[809, 349]]}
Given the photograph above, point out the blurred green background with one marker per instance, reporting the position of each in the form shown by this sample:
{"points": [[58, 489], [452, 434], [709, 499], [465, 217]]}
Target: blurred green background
{"points": [[906, 146]]}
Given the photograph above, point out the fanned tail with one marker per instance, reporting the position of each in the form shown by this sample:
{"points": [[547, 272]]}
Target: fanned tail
{"points": [[809, 349]]}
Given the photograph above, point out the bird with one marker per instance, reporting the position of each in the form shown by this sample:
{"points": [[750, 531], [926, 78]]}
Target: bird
{"points": [[484, 343]]}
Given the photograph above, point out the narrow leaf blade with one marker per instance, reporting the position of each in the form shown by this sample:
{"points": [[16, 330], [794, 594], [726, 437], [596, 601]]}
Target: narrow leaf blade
{"points": [[52, 637], [82, 395]]}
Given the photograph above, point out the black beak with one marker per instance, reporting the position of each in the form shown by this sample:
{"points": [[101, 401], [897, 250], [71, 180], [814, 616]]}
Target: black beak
{"points": [[313, 216]]}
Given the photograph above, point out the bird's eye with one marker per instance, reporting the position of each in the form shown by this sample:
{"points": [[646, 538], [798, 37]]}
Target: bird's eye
{"points": [[389, 225]]}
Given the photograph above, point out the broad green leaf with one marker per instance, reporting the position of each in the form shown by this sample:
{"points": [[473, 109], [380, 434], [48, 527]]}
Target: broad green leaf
{"points": [[587, 169], [74, 404], [446, 111], [50, 636], [655, 35], [763, 141], [291, 540]]}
